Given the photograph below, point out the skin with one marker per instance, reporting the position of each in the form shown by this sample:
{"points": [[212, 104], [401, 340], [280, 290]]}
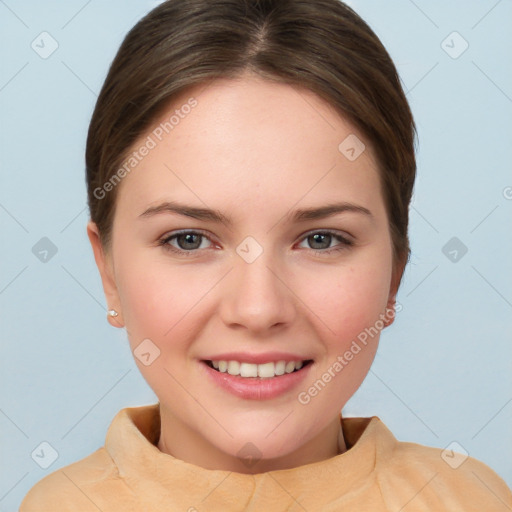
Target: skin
{"points": [[256, 151]]}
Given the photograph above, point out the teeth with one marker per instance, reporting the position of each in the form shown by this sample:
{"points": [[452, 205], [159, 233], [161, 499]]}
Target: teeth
{"points": [[265, 370], [234, 367], [248, 370], [290, 366], [279, 368]]}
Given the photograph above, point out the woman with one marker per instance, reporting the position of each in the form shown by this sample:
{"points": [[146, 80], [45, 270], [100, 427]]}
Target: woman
{"points": [[249, 168]]}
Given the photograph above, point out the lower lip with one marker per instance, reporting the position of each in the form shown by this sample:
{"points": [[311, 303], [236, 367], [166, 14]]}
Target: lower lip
{"points": [[256, 388]]}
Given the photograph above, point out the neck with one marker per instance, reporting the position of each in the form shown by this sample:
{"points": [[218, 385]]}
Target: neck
{"points": [[178, 440]]}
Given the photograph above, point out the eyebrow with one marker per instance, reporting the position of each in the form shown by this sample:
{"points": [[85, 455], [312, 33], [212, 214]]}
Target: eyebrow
{"points": [[299, 215]]}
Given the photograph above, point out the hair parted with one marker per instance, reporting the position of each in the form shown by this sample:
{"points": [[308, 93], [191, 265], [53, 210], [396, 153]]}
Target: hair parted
{"points": [[323, 46]]}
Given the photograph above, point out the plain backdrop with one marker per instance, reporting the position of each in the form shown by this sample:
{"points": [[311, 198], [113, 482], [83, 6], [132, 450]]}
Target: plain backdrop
{"points": [[443, 370]]}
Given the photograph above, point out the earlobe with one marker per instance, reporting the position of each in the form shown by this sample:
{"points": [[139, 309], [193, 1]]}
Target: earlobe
{"points": [[104, 264]]}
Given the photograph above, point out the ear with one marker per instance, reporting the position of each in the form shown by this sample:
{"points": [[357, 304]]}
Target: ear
{"points": [[398, 270], [105, 267]]}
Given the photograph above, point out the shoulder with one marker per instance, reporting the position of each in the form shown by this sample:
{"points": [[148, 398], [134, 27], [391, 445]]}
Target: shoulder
{"points": [[74, 487], [440, 479]]}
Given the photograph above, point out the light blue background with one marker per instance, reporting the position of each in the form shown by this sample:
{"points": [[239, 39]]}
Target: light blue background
{"points": [[443, 370]]}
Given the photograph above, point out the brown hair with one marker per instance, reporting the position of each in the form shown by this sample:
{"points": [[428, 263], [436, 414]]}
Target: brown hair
{"points": [[323, 46]]}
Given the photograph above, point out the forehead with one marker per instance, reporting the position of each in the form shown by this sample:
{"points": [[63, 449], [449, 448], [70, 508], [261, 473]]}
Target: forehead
{"points": [[250, 142]]}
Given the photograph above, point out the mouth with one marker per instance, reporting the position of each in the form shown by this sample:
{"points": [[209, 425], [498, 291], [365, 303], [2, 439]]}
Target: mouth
{"points": [[270, 370], [271, 377]]}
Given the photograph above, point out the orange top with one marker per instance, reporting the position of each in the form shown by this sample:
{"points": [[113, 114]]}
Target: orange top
{"points": [[376, 473]]}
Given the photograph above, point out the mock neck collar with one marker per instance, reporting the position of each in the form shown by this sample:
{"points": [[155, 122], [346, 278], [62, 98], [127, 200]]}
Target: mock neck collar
{"points": [[133, 434]]}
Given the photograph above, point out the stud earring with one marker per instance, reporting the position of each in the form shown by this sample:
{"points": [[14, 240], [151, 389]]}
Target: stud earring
{"points": [[112, 312]]}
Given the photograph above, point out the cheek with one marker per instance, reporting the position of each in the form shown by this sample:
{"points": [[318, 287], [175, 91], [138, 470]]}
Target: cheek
{"points": [[348, 304], [346, 300], [160, 304], [161, 301], [151, 297]]}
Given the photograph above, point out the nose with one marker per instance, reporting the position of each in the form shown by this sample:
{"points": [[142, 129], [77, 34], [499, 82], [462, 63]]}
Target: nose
{"points": [[257, 296]]}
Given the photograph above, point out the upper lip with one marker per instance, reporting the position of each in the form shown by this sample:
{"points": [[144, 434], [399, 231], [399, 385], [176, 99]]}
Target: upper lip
{"points": [[264, 357]]}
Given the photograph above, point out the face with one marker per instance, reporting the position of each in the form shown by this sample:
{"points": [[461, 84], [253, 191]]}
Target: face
{"points": [[254, 270]]}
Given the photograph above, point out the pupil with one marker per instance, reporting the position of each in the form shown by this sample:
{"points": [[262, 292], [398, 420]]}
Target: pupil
{"points": [[321, 236], [188, 237]]}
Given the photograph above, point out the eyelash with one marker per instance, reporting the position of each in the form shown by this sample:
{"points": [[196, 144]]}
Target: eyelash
{"points": [[345, 243]]}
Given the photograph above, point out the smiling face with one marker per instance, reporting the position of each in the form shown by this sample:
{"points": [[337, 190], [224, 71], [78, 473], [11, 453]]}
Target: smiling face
{"points": [[260, 273]]}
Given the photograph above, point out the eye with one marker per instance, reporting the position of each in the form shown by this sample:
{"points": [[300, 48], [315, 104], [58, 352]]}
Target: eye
{"points": [[187, 241], [320, 242]]}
